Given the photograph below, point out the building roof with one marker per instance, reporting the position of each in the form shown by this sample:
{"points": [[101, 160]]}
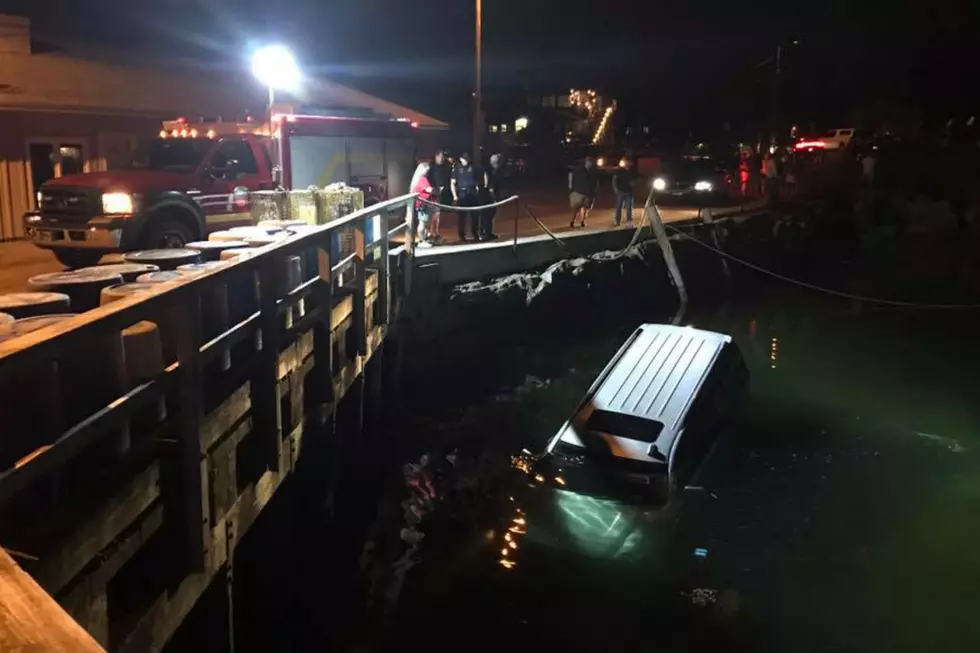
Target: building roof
{"points": [[66, 82]]}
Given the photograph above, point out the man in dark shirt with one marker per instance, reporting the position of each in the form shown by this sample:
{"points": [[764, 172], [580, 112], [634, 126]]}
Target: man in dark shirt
{"points": [[439, 176], [583, 182], [493, 180], [466, 183], [624, 181]]}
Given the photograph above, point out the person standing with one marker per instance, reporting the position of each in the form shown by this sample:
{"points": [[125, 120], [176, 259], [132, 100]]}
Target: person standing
{"points": [[624, 183], [439, 175], [493, 180], [423, 186], [465, 185], [583, 183]]}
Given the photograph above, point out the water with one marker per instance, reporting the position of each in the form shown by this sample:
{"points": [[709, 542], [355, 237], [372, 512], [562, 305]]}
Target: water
{"points": [[841, 516]]}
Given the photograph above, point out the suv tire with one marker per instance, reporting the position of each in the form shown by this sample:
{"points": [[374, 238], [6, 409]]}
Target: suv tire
{"points": [[164, 234]]}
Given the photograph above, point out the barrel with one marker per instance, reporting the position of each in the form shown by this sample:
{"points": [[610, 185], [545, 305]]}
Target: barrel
{"points": [[230, 254], [261, 240], [44, 400], [310, 255], [246, 232], [123, 290], [30, 304], [165, 259], [141, 341], [276, 225], [220, 236], [83, 287], [193, 269], [128, 271], [211, 249], [163, 276]]}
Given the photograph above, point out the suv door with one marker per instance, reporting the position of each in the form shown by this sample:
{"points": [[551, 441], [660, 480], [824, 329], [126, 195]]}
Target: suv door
{"points": [[229, 175]]}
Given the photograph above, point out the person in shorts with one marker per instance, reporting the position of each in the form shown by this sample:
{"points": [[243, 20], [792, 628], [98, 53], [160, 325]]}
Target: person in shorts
{"points": [[583, 183], [425, 190]]}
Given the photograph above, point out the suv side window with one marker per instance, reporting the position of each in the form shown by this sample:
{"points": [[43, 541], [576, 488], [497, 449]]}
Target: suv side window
{"points": [[236, 157]]}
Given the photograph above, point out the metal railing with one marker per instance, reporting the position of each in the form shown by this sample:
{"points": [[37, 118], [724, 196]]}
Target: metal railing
{"points": [[267, 316]]}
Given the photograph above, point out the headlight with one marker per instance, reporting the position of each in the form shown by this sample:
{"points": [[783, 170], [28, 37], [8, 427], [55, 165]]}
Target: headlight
{"points": [[117, 203], [622, 163], [703, 185], [659, 183], [601, 161]]}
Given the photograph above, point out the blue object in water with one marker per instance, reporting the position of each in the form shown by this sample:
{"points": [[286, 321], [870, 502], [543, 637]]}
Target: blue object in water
{"points": [[701, 553]]}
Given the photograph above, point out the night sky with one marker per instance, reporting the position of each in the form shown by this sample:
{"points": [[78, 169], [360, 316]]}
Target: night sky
{"points": [[678, 59]]}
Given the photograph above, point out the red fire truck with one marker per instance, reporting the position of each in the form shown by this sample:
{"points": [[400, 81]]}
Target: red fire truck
{"points": [[195, 177]]}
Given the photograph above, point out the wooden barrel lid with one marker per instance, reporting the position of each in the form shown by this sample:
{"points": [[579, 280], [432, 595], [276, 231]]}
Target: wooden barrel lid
{"points": [[261, 240], [248, 231], [192, 269], [206, 245], [166, 259], [276, 225], [75, 278], [128, 271], [123, 290], [164, 276], [29, 304], [242, 252], [31, 324]]}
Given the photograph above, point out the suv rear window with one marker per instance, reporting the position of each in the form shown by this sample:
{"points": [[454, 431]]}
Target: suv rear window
{"points": [[624, 426]]}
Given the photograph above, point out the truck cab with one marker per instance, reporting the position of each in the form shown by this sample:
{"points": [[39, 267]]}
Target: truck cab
{"points": [[197, 178], [178, 187]]}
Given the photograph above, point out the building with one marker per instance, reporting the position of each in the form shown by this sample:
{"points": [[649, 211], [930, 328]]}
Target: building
{"points": [[62, 113]]}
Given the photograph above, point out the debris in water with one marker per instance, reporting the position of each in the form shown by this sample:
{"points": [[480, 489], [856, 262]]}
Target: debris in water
{"points": [[531, 382], [411, 535], [702, 597], [950, 443], [701, 553]]}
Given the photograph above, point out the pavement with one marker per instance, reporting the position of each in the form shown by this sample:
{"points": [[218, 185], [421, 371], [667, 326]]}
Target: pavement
{"points": [[20, 260]]}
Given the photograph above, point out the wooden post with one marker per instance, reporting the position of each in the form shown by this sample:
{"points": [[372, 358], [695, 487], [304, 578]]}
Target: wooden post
{"points": [[360, 333], [265, 382], [657, 224], [384, 283], [193, 470], [322, 333]]}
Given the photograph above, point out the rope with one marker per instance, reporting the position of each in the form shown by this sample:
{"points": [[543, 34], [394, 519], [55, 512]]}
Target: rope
{"points": [[548, 231], [470, 209], [828, 291]]}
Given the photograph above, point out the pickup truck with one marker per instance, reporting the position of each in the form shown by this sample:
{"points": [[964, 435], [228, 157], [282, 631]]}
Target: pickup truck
{"points": [[193, 180], [176, 191]]}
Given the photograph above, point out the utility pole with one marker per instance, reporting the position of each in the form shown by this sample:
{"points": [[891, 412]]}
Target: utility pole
{"points": [[478, 95]]}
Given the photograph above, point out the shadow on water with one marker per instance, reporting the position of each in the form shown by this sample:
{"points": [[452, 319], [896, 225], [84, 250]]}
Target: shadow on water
{"points": [[841, 515]]}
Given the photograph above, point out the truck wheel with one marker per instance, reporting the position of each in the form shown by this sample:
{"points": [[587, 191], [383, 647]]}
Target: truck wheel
{"points": [[77, 258], [165, 234]]}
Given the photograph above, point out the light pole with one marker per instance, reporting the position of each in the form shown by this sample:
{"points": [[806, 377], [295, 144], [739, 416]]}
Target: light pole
{"points": [[275, 67], [478, 95]]}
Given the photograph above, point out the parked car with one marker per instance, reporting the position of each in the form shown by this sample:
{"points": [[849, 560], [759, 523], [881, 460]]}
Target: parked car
{"points": [[653, 415], [694, 180]]}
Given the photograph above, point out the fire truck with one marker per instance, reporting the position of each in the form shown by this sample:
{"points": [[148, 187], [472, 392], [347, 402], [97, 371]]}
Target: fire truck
{"points": [[195, 177]]}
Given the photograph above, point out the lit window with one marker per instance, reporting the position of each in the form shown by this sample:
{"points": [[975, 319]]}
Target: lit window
{"points": [[520, 124], [493, 129], [503, 129]]}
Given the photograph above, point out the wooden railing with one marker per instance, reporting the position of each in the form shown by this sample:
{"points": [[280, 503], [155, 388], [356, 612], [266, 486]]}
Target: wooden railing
{"points": [[183, 460]]}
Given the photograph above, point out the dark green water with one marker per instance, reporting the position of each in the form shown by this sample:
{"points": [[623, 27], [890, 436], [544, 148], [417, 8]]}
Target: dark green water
{"points": [[843, 514]]}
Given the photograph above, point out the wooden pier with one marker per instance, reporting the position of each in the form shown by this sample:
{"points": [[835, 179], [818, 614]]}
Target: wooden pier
{"points": [[114, 527]]}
